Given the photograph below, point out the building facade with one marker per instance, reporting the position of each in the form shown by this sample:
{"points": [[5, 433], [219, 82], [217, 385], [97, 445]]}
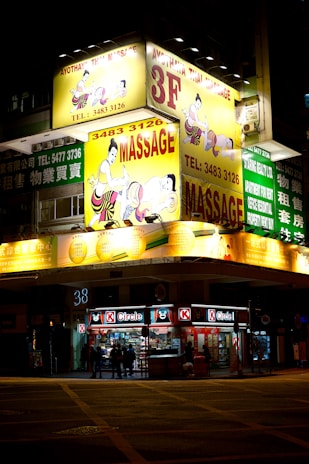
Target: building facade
{"points": [[199, 235]]}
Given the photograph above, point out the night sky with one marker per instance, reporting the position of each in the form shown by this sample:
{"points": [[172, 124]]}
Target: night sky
{"points": [[38, 34]]}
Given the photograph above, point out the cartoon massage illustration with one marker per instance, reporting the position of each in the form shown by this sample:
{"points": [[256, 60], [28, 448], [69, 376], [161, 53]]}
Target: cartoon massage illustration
{"points": [[196, 129], [83, 95], [101, 93], [144, 199], [108, 190], [152, 197]]}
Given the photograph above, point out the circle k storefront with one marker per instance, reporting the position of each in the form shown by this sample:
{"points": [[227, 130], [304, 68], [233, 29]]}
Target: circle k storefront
{"points": [[160, 330]]}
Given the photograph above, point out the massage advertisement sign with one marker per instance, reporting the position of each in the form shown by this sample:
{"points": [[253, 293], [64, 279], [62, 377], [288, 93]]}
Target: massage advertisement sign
{"points": [[210, 201], [210, 137], [100, 86], [132, 172]]}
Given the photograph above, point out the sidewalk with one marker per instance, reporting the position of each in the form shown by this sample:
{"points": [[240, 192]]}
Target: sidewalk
{"points": [[214, 374]]}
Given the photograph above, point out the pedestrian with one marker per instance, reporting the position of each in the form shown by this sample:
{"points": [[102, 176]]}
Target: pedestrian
{"points": [[207, 354], [188, 359], [116, 360], [189, 352], [130, 358], [93, 361], [125, 360], [112, 357]]}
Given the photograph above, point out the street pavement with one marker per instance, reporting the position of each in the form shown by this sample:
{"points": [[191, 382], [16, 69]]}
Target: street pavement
{"points": [[227, 418]]}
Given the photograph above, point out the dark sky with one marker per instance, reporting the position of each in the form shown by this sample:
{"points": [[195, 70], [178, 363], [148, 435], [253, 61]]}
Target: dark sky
{"points": [[41, 32], [33, 35], [38, 34]]}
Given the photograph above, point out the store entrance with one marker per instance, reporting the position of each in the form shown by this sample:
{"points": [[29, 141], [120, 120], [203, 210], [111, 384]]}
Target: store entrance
{"points": [[144, 340]]}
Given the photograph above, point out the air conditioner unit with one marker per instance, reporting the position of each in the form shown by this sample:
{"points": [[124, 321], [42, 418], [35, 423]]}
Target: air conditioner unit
{"points": [[47, 145], [250, 127], [58, 143], [69, 140], [36, 147]]}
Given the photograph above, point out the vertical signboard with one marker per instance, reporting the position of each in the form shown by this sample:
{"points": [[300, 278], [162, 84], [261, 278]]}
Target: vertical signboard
{"points": [[273, 196], [259, 190], [290, 208]]}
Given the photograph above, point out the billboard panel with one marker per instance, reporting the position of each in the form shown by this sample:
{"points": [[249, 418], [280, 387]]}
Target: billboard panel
{"points": [[210, 137], [151, 241], [211, 203], [49, 168], [290, 207], [131, 172], [273, 193], [100, 86], [28, 255], [259, 189]]}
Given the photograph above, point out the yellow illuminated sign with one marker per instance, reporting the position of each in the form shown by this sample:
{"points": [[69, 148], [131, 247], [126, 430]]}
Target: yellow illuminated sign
{"points": [[151, 241], [131, 172], [210, 137], [28, 255], [100, 86], [211, 202]]}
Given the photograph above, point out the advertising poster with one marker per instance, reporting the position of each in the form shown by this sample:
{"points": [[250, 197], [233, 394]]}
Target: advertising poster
{"points": [[100, 86], [259, 190], [290, 208], [211, 201], [210, 137], [49, 168], [273, 193], [157, 240], [28, 255], [161, 315], [132, 172]]}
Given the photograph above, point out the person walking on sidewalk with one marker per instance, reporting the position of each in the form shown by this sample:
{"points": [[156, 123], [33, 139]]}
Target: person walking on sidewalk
{"points": [[189, 353], [116, 360], [130, 358], [96, 360], [207, 357], [188, 359], [207, 354]]}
